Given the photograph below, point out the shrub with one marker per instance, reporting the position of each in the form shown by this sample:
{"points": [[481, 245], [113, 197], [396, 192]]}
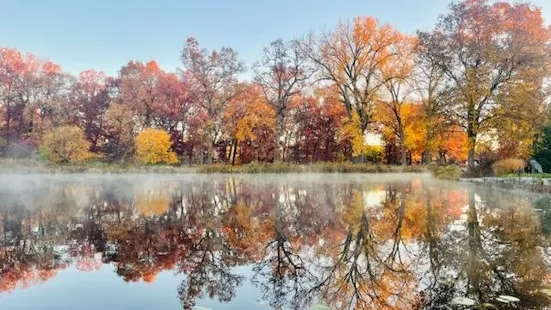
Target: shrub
{"points": [[66, 144], [508, 166], [432, 166], [373, 153], [153, 147], [450, 172], [413, 169]]}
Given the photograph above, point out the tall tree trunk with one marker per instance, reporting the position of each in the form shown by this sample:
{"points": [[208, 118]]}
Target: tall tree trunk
{"points": [[404, 155], [403, 151], [427, 157], [314, 151], [280, 117], [472, 130], [7, 131], [8, 124], [210, 150], [471, 140], [234, 152]]}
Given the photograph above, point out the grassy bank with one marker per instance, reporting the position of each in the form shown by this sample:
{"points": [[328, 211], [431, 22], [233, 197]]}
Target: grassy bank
{"points": [[344, 167], [528, 175], [33, 166]]}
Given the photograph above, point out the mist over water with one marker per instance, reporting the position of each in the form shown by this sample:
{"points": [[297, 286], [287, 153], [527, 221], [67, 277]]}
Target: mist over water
{"points": [[347, 241]]}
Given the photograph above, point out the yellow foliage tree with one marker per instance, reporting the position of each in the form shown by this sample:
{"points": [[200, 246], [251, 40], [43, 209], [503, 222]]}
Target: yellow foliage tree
{"points": [[351, 131], [66, 144], [153, 147]]}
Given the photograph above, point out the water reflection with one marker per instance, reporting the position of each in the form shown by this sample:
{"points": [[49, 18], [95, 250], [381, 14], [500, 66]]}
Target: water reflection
{"points": [[351, 243]]}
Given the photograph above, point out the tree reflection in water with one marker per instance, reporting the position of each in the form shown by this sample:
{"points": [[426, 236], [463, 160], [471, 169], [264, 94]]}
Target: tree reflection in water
{"points": [[351, 244]]}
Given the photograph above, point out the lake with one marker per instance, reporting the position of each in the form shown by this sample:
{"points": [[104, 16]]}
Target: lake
{"points": [[296, 241]]}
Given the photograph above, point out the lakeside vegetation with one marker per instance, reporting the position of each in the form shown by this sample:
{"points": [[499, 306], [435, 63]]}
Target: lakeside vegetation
{"points": [[37, 166], [530, 175], [328, 167], [30, 166]]}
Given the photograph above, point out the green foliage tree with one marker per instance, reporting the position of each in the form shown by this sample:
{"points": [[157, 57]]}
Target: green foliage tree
{"points": [[542, 150]]}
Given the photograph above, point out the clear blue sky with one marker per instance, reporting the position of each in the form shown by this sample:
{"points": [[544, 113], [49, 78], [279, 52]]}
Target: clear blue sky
{"points": [[105, 34]]}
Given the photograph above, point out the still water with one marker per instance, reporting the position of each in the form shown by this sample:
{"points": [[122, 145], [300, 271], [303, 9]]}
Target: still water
{"points": [[317, 241]]}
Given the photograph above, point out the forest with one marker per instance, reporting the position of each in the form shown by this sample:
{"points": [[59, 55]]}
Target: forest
{"points": [[475, 88]]}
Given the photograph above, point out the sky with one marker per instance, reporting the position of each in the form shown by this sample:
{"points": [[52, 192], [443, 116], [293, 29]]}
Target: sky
{"points": [[102, 289], [106, 34]]}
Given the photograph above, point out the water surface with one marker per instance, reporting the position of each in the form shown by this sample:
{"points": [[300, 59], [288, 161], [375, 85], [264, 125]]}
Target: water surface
{"points": [[268, 242]]}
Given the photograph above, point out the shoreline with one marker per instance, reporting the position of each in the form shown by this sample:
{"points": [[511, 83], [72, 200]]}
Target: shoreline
{"points": [[532, 184], [278, 168]]}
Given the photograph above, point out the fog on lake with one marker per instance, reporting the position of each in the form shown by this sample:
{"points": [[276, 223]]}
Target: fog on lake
{"points": [[293, 241]]}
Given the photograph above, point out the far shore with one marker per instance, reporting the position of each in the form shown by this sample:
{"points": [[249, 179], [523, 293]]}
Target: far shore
{"points": [[530, 182], [34, 166], [540, 183]]}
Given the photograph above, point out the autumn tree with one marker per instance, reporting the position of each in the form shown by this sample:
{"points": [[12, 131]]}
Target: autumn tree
{"points": [[13, 65], [197, 134], [66, 144], [118, 133], [88, 102], [487, 52], [516, 137], [156, 97], [429, 85], [282, 73], [153, 147], [436, 129], [48, 106], [352, 58], [31, 98], [319, 125], [396, 73], [176, 102], [138, 89], [452, 144], [401, 128], [248, 121], [213, 77]]}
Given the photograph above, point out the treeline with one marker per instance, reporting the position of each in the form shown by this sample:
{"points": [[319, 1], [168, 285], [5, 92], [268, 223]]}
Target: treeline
{"points": [[473, 87]]}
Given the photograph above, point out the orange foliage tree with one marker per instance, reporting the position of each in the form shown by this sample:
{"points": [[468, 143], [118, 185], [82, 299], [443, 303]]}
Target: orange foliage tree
{"points": [[353, 57], [248, 121], [395, 76], [213, 80]]}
